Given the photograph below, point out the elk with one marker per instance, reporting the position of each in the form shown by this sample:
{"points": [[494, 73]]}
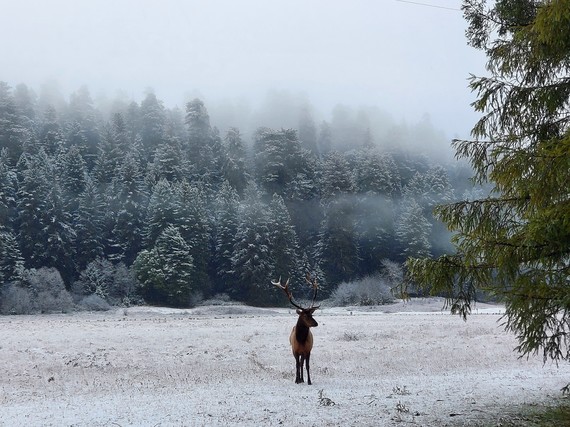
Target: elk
{"points": [[301, 338]]}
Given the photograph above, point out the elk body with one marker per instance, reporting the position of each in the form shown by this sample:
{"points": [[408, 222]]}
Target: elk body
{"points": [[301, 338]]}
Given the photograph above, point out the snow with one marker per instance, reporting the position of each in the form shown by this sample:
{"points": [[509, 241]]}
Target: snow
{"points": [[231, 365]]}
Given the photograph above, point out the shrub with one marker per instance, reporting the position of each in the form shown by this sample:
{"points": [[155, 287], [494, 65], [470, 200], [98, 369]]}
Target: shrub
{"points": [[15, 299], [220, 299], [49, 301], [124, 288], [48, 290], [96, 279], [113, 283], [371, 290], [39, 291], [94, 302]]}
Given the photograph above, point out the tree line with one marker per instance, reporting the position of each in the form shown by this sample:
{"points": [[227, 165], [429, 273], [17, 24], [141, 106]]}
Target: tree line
{"points": [[161, 195]]}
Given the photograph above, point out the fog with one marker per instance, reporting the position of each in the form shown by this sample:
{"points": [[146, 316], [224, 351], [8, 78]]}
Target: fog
{"points": [[406, 61]]}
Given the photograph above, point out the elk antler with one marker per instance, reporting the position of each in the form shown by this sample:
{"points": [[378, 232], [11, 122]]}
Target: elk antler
{"points": [[313, 283], [287, 292]]}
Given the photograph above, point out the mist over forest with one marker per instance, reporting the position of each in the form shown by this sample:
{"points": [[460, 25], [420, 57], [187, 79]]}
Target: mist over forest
{"points": [[139, 201]]}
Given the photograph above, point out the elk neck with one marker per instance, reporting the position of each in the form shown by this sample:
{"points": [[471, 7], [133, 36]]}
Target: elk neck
{"points": [[301, 331]]}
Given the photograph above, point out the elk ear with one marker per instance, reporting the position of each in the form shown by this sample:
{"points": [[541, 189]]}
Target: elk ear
{"points": [[299, 312]]}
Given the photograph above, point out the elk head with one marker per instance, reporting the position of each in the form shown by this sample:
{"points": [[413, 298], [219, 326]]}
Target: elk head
{"points": [[301, 338]]}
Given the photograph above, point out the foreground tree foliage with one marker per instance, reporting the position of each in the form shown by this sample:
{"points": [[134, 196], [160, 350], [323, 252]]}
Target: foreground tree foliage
{"points": [[515, 243]]}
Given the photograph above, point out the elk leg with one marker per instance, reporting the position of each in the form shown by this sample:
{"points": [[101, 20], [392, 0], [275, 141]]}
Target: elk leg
{"points": [[308, 372], [299, 369]]}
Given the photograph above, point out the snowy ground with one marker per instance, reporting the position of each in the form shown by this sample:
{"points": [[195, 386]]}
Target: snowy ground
{"points": [[406, 364]]}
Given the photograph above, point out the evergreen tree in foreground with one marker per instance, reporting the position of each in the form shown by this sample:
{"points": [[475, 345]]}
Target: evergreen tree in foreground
{"points": [[515, 243]]}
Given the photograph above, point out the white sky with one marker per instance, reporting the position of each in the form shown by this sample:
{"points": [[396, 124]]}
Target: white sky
{"points": [[405, 58]]}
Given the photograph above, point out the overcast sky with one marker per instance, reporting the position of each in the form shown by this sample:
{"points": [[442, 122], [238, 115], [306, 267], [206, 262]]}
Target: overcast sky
{"points": [[405, 58]]}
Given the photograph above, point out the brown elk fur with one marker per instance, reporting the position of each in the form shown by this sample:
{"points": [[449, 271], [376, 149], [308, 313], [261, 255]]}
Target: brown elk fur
{"points": [[301, 340]]}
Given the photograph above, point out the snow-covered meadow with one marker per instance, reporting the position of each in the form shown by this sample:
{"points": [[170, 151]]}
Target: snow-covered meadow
{"points": [[404, 364]]}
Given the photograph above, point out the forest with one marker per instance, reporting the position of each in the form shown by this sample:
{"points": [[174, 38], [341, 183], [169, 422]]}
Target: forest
{"points": [[137, 202]]}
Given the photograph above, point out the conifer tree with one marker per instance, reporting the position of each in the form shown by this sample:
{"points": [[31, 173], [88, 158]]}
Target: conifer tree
{"points": [[152, 124], [71, 170], [83, 117], [33, 190], [374, 173], [194, 224], [51, 136], [89, 222], [374, 224], [204, 144], [412, 229], [169, 161], [25, 100], [128, 204], [11, 261], [279, 158], [515, 242], [8, 182], [166, 270], [160, 212], [284, 244], [235, 170], [11, 129], [251, 261], [226, 227], [337, 249], [337, 178]]}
